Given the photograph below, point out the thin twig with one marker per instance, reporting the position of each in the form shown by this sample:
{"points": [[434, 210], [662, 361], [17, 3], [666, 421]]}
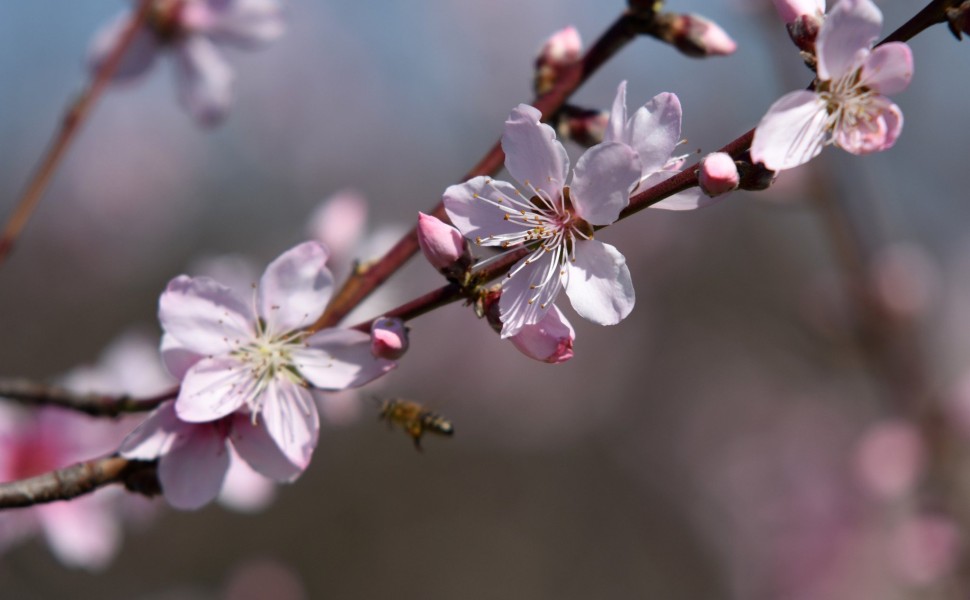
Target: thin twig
{"points": [[77, 113], [79, 479], [96, 405]]}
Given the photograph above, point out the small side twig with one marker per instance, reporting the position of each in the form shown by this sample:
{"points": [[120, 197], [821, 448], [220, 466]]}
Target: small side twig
{"points": [[77, 113], [96, 405]]}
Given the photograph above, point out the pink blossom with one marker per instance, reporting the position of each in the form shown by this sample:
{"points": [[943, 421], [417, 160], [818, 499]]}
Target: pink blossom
{"points": [[889, 458], [718, 174], [847, 107], [562, 48], [442, 244], [925, 547], [554, 221], [791, 10], [192, 29], [654, 133], [257, 359], [389, 338], [550, 340]]}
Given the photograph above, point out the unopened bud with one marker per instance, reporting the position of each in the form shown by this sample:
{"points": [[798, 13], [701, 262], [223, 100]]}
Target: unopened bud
{"points": [[388, 338], [561, 50], [718, 174], [694, 35], [443, 246], [550, 340], [585, 126], [791, 10]]}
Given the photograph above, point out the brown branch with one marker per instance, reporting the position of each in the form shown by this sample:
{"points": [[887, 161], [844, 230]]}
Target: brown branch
{"points": [[79, 479], [96, 405], [77, 113]]}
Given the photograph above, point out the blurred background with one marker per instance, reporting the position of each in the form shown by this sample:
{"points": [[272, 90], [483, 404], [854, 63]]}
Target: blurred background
{"points": [[731, 439]]}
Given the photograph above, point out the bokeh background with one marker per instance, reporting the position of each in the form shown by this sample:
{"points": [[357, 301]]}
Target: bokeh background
{"points": [[707, 447]]}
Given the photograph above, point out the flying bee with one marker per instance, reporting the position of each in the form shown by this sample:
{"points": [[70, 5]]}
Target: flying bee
{"points": [[414, 419]]}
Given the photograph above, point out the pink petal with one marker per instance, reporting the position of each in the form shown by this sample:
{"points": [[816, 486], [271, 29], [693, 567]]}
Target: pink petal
{"points": [[469, 209], [81, 533], [335, 359], [602, 181], [689, 199], [204, 80], [139, 56], [889, 69], [244, 23], [791, 133], [245, 490], [876, 133], [599, 285], [295, 288], [155, 435], [191, 473], [290, 417], [522, 304], [846, 35], [654, 131], [550, 340], [177, 358], [339, 222], [533, 156], [616, 128], [214, 388], [260, 451], [203, 316]]}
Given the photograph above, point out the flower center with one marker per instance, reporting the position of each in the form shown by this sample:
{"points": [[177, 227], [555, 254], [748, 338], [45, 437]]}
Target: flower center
{"points": [[269, 357], [847, 102]]}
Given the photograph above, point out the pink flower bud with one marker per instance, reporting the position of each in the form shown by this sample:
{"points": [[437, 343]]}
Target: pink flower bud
{"points": [[388, 338], [442, 244], [718, 174], [790, 10], [550, 340], [694, 35], [561, 50]]}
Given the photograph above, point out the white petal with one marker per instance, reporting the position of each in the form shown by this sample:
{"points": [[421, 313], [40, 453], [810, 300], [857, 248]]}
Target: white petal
{"points": [[137, 59], [191, 473], [616, 127], [889, 68], [204, 80], [295, 288], [533, 155], [654, 131], [260, 451], [203, 316], [155, 435], [599, 284], [845, 37], [471, 208], [177, 358], [214, 388], [290, 417], [244, 23], [689, 199], [791, 133], [602, 181], [523, 304], [335, 359]]}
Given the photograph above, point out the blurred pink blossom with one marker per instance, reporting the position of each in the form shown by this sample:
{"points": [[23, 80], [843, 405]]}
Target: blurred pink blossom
{"points": [[924, 548], [889, 458], [905, 279], [192, 29], [789, 10]]}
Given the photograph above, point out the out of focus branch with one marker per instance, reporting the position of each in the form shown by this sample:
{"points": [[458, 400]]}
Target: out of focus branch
{"points": [[96, 405], [79, 479], [77, 113]]}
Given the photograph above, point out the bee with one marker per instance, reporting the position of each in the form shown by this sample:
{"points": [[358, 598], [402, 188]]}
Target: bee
{"points": [[414, 419]]}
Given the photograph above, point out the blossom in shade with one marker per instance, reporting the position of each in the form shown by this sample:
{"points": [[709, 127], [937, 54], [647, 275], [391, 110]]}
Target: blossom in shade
{"points": [[255, 360], [718, 174], [653, 132], [847, 107], [553, 221], [192, 30]]}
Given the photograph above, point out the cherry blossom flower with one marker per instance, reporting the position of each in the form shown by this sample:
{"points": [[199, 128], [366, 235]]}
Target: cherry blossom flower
{"points": [[847, 107], [256, 362], [192, 29], [555, 221]]}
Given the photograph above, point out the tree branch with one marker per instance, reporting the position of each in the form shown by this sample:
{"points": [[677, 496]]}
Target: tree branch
{"points": [[96, 405], [79, 479]]}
